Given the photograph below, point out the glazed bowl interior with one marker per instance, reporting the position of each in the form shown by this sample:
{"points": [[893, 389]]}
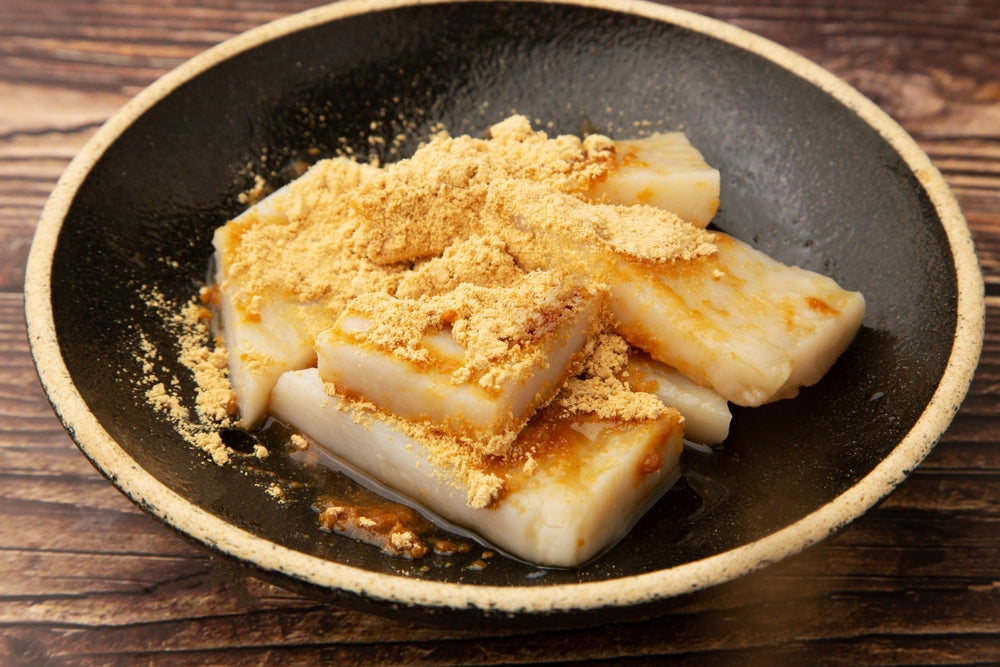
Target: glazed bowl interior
{"points": [[811, 173]]}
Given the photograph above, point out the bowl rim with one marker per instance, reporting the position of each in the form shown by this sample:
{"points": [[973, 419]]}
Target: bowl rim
{"points": [[269, 557]]}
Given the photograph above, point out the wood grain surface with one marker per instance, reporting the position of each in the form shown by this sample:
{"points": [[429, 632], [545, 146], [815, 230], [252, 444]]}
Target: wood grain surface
{"points": [[87, 579]]}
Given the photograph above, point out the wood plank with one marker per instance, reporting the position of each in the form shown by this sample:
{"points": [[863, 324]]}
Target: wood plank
{"points": [[757, 629]]}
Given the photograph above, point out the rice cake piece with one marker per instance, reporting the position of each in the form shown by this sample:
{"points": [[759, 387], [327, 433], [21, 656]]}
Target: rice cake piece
{"points": [[577, 488], [285, 267], [260, 336], [722, 313], [259, 351], [662, 170], [706, 414], [475, 361], [750, 327]]}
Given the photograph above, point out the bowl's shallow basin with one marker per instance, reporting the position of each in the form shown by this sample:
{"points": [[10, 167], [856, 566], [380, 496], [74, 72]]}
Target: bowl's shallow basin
{"points": [[811, 172]]}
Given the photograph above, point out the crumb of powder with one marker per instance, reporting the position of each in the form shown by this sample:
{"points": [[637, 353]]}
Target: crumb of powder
{"points": [[257, 192], [599, 389], [164, 401], [148, 357], [530, 465], [403, 539], [210, 442], [484, 488]]}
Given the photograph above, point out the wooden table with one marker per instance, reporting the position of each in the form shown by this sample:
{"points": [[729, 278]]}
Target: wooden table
{"points": [[86, 578]]}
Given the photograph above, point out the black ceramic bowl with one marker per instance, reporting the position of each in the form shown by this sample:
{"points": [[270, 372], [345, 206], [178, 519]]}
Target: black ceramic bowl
{"points": [[812, 173]]}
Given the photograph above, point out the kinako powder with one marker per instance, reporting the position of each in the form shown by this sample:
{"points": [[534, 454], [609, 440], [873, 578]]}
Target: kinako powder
{"points": [[215, 404], [468, 235]]}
